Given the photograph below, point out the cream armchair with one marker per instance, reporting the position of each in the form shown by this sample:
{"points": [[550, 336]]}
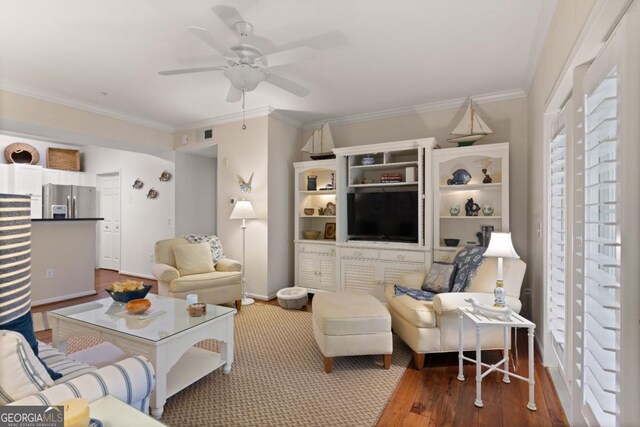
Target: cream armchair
{"points": [[218, 287], [433, 326]]}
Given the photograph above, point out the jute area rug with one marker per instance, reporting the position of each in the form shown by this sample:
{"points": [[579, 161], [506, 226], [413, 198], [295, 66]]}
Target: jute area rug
{"points": [[278, 379]]}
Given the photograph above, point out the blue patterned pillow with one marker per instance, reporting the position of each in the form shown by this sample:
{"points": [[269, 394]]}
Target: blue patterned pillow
{"points": [[439, 278], [217, 253]]}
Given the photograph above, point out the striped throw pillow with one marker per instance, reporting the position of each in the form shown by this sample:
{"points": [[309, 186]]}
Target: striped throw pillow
{"points": [[21, 373]]}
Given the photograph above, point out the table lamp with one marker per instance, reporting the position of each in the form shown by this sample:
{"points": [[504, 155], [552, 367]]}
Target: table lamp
{"points": [[243, 210], [500, 246]]}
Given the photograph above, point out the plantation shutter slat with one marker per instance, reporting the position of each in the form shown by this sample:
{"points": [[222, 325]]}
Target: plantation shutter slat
{"points": [[601, 252]]}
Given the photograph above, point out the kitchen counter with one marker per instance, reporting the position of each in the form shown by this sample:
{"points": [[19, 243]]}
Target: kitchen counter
{"points": [[63, 259], [65, 219]]}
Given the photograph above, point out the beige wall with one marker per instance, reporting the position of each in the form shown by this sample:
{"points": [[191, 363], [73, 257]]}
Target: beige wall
{"points": [[67, 248], [567, 23], [267, 148], [284, 142], [42, 119], [143, 221], [508, 120], [242, 152]]}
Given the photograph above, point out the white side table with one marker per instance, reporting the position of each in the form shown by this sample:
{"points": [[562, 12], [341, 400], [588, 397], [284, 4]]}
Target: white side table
{"points": [[480, 321]]}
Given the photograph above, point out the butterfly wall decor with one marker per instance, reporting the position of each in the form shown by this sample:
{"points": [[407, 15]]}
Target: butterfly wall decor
{"points": [[245, 186]]}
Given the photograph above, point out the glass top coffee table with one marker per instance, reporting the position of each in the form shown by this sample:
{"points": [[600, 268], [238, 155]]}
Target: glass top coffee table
{"points": [[165, 335]]}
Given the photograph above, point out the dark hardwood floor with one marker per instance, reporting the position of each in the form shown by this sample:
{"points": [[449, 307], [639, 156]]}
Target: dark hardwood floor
{"points": [[432, 396]]}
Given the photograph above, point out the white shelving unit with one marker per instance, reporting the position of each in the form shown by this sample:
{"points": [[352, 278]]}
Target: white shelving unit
{"points": [[494, 158], [315, 264], [368, 265]]}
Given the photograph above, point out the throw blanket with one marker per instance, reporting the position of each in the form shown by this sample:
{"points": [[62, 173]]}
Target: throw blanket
{"points": [[467, 262]]}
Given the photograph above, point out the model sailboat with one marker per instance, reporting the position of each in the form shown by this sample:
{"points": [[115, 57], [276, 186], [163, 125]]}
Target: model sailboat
{"points": [[470, 129], [320, 144]]}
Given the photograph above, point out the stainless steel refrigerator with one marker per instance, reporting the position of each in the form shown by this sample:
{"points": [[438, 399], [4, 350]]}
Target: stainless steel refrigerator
{"points": [[68, 201]]}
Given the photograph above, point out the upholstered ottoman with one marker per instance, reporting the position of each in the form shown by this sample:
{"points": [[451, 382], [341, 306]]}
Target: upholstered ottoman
{"points": [[351, 324]]}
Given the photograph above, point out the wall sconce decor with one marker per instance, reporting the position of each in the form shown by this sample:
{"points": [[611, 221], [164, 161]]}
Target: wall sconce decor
{"points": [[245, 186], [138, 184], [165, 176]]}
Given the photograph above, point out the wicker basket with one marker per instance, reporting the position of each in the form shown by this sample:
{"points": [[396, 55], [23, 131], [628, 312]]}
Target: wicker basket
{"points": [[60, 158]]}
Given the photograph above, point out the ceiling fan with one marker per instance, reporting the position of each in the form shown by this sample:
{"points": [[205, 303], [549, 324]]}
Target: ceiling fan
{"points": [[244, 64]]}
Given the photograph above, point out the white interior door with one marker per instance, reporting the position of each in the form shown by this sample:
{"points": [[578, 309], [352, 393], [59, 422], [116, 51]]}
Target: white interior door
{"points": [[109, 209]]}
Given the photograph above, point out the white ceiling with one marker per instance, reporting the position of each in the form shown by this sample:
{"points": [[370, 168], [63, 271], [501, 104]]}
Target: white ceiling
{"points": [[397, 53]]}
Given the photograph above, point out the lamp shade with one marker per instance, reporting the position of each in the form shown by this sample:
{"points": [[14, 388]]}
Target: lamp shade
{"points": [[501, 246], [243, 210]]}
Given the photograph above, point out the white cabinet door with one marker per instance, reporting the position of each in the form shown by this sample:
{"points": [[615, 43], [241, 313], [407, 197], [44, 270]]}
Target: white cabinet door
{"points": [[391, 272], [36, 207], [50, 176], [87, 179], [4, 179], [361, 275], [25, 179], [69, 178], [327, 272], [307, 277]]}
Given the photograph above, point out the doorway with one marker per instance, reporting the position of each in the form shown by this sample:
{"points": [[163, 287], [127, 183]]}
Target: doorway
{"points": [[109, 209]]}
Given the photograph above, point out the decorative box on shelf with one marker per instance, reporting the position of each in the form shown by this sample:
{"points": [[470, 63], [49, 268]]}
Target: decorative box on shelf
{"points": [[61, 158]]}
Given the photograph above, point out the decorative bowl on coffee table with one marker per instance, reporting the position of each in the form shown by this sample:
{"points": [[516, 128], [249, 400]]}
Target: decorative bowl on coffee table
{"points": [[125, 297]]}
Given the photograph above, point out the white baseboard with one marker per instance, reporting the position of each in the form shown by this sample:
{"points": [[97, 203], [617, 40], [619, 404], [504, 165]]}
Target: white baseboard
{"points": [[62, 298], [261, 297], [562, 391], [141, 275]]}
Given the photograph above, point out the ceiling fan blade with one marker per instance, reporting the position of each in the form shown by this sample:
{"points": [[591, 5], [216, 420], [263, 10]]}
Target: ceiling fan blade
{"points": [[209, 39], [290, 56], [321, 41], [190, 70], [287, 85], [229, 15], [234, 94]]}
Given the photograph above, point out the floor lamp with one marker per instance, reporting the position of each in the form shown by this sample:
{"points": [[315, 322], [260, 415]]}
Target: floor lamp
{"points": [[243, 210]]}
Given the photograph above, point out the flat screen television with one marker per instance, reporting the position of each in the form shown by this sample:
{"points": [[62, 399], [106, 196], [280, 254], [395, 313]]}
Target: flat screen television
{"points": [[391, 216]]}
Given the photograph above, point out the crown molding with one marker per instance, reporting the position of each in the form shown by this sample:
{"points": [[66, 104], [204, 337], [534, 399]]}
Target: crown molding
{"points": [[286, 119], [417, 109], [227, 118], [42, 95], [236, 117]]}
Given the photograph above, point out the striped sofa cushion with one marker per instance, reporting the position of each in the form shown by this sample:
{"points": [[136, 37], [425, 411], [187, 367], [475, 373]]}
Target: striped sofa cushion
{"points": [[130, 380], [21, 373], [61, 363]]}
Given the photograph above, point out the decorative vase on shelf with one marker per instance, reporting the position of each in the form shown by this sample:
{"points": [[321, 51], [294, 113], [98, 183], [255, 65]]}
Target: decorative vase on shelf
{"points": [[487, 179], [459, 177], [368, 160], [487, 210], [471, 208], [454, 210], [312, 182]]}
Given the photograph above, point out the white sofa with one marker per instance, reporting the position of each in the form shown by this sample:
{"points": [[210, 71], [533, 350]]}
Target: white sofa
{"points": [[130, 380], [432, 326]]}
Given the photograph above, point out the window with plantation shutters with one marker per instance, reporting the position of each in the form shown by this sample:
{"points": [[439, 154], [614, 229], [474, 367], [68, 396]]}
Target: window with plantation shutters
{"points": [[601, 334], [556, 238]]}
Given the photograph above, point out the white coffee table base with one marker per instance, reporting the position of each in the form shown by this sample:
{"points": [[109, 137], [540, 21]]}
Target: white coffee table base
{"points": [[176, 362], [481, 320]]}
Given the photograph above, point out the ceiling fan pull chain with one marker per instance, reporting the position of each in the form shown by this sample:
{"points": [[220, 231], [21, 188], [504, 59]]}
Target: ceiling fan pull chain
{"points": [[244, 126]]}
